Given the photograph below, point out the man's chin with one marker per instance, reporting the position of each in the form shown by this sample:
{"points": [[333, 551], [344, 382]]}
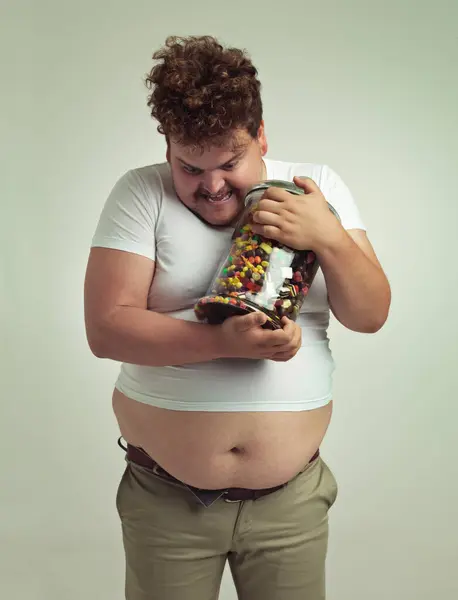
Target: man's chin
{"points": [[222, 216], [220, 222]]}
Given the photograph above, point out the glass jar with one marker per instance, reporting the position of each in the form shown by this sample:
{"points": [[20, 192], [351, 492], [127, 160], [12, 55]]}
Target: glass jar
{"points": [[259, 274]]}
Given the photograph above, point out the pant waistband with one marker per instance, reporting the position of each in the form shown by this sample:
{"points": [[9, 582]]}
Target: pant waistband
{"points": [[206, 497]]}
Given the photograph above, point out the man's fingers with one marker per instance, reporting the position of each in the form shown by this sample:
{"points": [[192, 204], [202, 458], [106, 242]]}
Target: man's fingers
{"points": [[294, 335], [281, 357], [268, 205], [275, 194], [285, 354], [274, 339], [307, 184], [289, 327], [270, 231], [247, 322], [264, 217]]}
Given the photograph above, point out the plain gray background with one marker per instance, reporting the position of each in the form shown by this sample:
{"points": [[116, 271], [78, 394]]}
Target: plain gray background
{"points": [[369, 88]]}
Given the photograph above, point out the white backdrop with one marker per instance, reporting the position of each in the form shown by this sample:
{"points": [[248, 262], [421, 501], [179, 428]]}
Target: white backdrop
{"points": [[369, 88]]}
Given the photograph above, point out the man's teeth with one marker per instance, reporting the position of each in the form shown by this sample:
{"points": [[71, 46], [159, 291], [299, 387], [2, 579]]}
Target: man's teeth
{"points": [[219, 198]]}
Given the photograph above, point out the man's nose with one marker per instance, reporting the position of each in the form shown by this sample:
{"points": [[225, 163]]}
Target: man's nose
{"points": [[213, 183]]}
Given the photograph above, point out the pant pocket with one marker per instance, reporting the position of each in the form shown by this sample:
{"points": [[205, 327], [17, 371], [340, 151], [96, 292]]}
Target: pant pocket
{"points": [[330, 486], [120, 491]]}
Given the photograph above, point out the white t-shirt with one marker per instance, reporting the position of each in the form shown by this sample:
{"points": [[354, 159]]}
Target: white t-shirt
{"points": [[143, 215]]}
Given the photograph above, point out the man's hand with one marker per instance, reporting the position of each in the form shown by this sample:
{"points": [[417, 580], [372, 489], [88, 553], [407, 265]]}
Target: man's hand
{"points": [[244, 337], [291, 349], [302, 222], [358, 290]]}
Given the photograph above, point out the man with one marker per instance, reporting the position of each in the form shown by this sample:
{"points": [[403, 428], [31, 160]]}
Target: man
{"points": [[223, 423]]}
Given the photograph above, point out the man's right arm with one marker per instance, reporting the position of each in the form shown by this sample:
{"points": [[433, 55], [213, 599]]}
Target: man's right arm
{"points": [[119, 326]]}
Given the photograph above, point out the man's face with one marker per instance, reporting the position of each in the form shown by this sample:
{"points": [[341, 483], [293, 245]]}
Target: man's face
{"points": [[213, 183]]}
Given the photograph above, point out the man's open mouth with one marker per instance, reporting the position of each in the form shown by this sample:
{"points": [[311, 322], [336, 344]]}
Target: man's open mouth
{"points": [[219, 197]]}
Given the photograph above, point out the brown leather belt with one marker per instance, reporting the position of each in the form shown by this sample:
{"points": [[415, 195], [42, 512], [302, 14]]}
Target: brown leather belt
{"points": [[207, 497]]}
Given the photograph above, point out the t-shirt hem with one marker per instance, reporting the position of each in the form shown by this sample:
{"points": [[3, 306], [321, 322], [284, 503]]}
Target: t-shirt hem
{"points": [[355, 225], [124, 245], [231, 406]]}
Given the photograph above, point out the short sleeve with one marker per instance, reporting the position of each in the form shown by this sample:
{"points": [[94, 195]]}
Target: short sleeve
{"points": [[341, 199], [129, 216]]}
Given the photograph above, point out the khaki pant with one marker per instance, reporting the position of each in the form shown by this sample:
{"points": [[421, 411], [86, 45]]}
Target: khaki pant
{"points": [[176, 548]]}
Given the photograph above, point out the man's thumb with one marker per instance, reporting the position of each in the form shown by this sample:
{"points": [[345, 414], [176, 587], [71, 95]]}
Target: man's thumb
{"points": [[306, 184]]}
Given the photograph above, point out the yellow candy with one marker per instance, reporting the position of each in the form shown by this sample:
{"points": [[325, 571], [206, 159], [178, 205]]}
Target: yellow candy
{"points": [[266, 248], [265, 263]]}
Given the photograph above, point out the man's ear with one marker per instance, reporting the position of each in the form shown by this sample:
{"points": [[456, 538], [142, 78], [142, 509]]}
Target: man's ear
{"points": [[262, 139], [167, 152]]}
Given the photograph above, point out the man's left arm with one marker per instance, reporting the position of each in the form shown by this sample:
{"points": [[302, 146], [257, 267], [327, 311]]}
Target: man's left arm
{"points": [[358, 290]]}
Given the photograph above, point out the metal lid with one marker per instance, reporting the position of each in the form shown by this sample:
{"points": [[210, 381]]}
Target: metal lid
{"points": [[285, 185], [289, 186]]}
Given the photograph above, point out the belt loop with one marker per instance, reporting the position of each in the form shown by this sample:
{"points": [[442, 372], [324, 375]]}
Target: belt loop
{"points": [[121, 445], [155, 470]]}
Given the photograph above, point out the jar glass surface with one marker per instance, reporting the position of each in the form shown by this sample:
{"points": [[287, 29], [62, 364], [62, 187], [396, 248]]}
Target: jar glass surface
{"points": [[259, 274]]}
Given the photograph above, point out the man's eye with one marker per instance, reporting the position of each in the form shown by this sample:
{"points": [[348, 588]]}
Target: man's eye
{"points": [[229, 166], [191, 170]]}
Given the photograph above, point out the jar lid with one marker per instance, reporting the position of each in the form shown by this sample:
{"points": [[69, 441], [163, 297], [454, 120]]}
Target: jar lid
{"points": [[289, 186]]}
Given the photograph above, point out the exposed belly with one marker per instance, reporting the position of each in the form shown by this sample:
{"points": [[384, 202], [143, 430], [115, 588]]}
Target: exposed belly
{"points": [[214, 450]]}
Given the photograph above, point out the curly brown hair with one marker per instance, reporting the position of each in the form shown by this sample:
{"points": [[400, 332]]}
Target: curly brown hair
{"points": [[202, 91]]}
